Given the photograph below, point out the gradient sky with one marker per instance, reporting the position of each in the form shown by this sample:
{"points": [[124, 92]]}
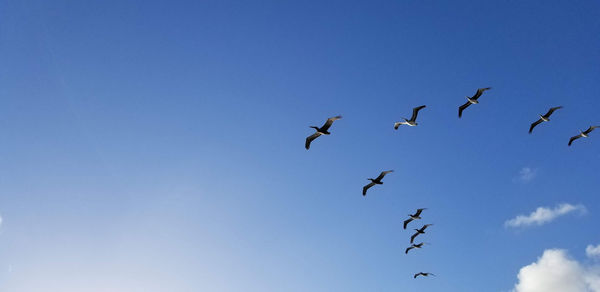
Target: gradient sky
{"points": [[159, 145]]}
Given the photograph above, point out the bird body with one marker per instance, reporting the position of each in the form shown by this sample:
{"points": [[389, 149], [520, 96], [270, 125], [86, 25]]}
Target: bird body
{"points": [[583, 134], [375, 181], [320, 131], [413, 119], [543, 118], [472, 101]]}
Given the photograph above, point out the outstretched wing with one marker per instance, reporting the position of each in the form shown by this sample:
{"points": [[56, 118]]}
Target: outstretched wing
{"points": [[480, 92], [535, 124], [310, 139], [573, 139], [329, 122], [462, 108], [407, 221], [406, 251], [425, 227], [396, 125], [416, 112], [412, 238], [365, 188], [382, 174], [552, 109], [591, 128], [416, 275], [419, 212]]}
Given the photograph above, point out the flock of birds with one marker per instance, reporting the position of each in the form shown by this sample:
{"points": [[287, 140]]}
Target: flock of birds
{"points": [[324, 130]]}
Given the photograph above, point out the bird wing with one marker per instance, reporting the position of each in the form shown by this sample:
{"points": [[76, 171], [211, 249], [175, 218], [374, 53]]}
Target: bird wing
{"points": [[462, 108], [480, 92], [591, 128], [551, 110], [329, 122], [396, 125], [425, 227], [407, 221], [412, 238], [365, 188], [382, 174], [573, 139], [419, 212], [416, 275], [310, 139], [406, 251], [416, 112], [535, 124]]}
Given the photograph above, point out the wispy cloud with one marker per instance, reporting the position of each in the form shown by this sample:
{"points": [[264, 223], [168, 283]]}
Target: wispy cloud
{"points": [[526, 174], [555, 271], [593, 251], [544, 215]]}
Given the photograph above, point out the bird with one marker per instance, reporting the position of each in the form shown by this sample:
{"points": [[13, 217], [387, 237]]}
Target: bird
{"points": [[472, 100], [414, 246], [320, 131], [415, 216], [583, 134], [376, 181], [419, 231], [544, 118], [413, 120], [423, 274]]}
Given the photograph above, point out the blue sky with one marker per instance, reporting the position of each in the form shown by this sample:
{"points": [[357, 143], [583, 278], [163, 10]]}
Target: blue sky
{"points": [[158, 145]]}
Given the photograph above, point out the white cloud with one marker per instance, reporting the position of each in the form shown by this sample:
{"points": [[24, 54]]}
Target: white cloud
{"points": [[554, 271], [526, 174], [544, 215], [593, 251]]}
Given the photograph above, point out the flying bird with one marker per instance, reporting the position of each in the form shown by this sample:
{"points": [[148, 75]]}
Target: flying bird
{"points": [[419, 231], [472, 100], [415, 216], [376, 181], [413, 120], [583, 134], [423, 274], [320, 131], [414, 246], [544, 118]]}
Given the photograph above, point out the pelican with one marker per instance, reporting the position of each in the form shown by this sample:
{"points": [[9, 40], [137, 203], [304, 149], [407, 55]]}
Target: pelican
{"points": [[413, 120], [472, 100], [414, 246], [376, 181], [415, 216], [583, 134], [320, 131], [423, 274], [544, 118], [419, 231]]}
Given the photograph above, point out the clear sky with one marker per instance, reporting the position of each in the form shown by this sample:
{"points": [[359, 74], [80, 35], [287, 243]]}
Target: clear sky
{"points": [[159, 145]]}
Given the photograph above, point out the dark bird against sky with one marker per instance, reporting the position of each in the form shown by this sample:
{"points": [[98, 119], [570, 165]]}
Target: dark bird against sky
{"points": [[413, 120], [320, 131], [419, 231], [543, 118], [415, 216], [414, 246], [472, 100], [423, 274], [583, 134], [376, 181]]}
